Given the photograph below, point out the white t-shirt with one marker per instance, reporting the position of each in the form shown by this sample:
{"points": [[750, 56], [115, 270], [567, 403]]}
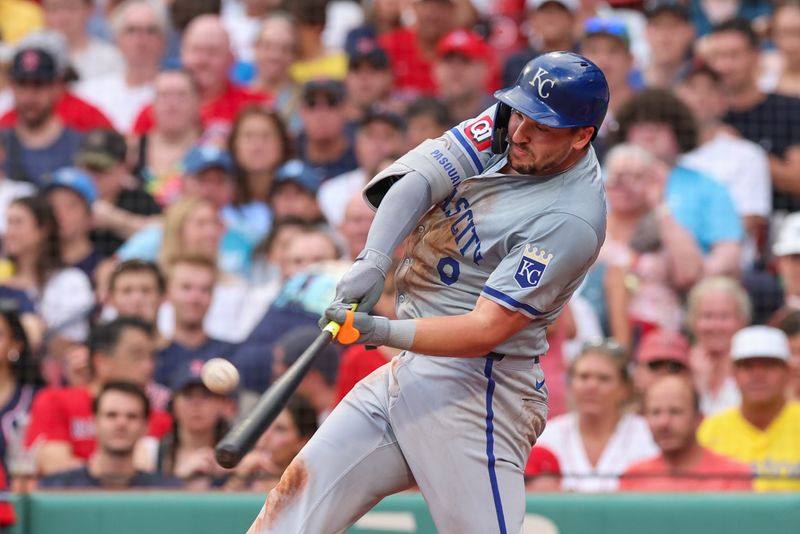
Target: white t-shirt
{"points": [[120, 102], [630, 443], [334, 194], [741, 166], [97, 59], [65, 304], [242, 29], [6, 100]]}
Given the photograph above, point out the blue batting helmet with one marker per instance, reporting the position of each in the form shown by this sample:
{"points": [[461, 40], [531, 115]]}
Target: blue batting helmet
{"points": [[559, 89]]}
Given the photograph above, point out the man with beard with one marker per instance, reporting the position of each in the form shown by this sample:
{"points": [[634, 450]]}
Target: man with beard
{"points": [[490, 262], [121, 411], [39, 143], [672, 410]]}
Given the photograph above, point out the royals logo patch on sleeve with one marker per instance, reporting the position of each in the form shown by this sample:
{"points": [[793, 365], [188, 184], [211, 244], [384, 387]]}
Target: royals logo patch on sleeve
{"points": [[479, 132], [531, 266]]}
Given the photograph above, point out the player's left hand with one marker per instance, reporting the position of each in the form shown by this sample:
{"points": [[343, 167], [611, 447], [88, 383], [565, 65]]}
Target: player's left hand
{"points": [[373, 330]]}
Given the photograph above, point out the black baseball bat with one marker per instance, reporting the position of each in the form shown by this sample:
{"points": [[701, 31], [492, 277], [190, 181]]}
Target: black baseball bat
{"points": [[242, 437]]}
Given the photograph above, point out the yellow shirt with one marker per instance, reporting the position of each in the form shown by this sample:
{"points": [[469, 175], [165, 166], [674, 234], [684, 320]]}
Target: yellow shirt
{"points": [[17, 18], [332, 66], [771, 452]]}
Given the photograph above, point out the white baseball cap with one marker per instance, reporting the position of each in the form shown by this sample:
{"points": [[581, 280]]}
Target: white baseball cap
{"points": [[570, 5], [788, 241], [760, 342]]}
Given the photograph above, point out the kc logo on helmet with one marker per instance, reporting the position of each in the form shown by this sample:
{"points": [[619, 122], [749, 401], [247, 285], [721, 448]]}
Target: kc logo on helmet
{"points": [[479, 132], [531, 266], [542, 85]]}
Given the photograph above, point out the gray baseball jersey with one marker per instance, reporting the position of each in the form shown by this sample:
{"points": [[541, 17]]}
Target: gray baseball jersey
{"points": [[460, 428]]}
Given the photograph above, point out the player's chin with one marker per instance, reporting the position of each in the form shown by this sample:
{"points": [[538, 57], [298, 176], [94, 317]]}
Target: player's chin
{"points": [[522, 165]]}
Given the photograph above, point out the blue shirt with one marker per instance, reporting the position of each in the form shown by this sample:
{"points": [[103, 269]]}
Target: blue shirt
{"points": [[31, 165], [175, 355], [704, 207]]}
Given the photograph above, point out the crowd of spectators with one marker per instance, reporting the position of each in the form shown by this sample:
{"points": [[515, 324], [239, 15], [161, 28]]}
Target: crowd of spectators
{"points": [[181, 179]]}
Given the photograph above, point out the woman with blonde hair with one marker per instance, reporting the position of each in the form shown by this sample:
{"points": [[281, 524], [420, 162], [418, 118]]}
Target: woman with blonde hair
{"points": [[717, 308], [599, 438]]}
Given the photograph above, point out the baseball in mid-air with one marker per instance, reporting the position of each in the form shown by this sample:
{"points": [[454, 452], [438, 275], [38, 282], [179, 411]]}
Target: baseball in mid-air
{"points": [[220, 376]]}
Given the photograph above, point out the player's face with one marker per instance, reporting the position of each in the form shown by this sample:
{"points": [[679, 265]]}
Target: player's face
{"points": [[671, 416], [540, 150], [716, 320], [120, 423], [761, 380]]}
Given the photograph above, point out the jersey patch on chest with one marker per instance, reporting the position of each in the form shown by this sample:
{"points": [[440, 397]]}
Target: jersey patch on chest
{"points": [[531, 266]]}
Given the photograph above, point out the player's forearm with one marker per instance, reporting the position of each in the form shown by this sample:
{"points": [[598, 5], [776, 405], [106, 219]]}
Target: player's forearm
{"points": [[402, 207], [466, 336]]}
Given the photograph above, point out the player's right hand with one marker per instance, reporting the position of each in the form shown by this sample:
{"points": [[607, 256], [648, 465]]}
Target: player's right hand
{"points": [[363, 282]]}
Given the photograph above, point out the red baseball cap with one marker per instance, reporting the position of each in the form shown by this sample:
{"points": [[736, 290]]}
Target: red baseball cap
{"points": [[542, 461], [663, 345], [464, 43]]}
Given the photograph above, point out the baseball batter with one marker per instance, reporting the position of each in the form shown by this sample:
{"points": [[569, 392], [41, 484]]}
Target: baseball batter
{"points": [[502, 218]]}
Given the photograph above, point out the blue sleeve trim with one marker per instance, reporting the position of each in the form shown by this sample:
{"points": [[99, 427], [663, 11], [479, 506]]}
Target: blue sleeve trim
{"points": [[468, 148], [530, 310]]}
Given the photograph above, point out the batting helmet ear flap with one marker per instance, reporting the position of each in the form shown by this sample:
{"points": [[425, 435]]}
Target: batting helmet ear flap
{"points": [[502, 115]]}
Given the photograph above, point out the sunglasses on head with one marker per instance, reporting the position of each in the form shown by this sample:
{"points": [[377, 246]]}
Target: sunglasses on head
{"points": [[607, 346], [671, 366], [610, 26]]}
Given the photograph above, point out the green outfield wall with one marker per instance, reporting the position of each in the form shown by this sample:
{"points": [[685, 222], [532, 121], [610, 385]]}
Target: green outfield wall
{"points": [[230, 513]]}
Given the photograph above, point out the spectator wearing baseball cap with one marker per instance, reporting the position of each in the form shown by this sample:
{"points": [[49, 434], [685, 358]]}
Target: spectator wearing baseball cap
{"points": [[122, 206], [542, 472], [39, 142], [464, 73], [606, 42], [672, 410], [294, 192], [380, 136], [763, 430], [200, 422], [326, 141], [660, 353], [552, 26], [670, 35], [369, 76], [71, 193], [76, 112]]}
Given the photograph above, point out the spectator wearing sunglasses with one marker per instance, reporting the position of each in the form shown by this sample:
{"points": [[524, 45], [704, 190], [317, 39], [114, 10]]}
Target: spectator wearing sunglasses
{"points": [[660, 353], [326, 141]]}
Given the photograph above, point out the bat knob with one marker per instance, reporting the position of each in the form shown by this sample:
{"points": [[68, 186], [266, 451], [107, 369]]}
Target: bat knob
{"points": [[227, 456]]}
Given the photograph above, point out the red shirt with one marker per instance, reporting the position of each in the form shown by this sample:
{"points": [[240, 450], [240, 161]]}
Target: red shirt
{"points": [[7, 515], [65, 414], [75, 112], [219, 112], [356, 363], [412, 71], [712, 473]]}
